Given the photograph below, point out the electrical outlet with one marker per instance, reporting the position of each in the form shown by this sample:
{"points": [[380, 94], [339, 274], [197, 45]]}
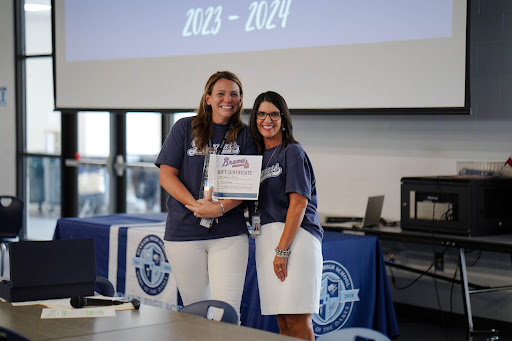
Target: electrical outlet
{"points": [[439, 259]]}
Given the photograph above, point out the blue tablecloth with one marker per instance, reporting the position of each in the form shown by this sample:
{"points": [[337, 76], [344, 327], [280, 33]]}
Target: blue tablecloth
{"points": [[355, 265], [355, 288], [98, 228]]}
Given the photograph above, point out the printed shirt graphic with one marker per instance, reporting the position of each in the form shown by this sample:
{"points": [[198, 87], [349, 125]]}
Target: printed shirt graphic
{"points": [[289, 171], [179, 152]]}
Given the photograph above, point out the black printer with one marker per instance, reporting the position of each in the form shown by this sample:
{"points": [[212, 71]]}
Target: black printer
{"points": [[469, 206]]}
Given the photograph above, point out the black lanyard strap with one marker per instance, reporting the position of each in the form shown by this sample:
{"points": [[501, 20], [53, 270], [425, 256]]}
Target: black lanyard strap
{"points": [[222, 143]]}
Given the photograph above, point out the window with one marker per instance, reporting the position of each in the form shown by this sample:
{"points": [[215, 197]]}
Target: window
{"points": [[143, 143], [41, 148], [93, 152]]}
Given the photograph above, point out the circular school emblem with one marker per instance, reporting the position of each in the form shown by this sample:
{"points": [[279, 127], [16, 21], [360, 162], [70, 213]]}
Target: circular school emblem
{"points": [[151, 265], [337, 297]]}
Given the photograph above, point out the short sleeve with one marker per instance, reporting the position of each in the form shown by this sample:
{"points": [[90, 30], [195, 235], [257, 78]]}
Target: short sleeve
{"points": [[173, 149], [299, 175]]}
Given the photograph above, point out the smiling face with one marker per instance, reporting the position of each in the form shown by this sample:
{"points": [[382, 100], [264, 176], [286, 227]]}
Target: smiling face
{"points": [[269, 129], [225, 100]]}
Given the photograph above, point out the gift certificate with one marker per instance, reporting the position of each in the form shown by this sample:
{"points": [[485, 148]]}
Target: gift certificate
{"points": [[236, 176]]}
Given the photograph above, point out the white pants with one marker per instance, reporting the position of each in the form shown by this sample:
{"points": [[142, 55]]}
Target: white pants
{"points": [[210, 269]]}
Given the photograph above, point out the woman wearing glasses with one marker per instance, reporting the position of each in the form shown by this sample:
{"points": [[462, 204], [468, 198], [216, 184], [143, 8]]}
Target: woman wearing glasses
{"points": [[208, 256], [288, 249]]}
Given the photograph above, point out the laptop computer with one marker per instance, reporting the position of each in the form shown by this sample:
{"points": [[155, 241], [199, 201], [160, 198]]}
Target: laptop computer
{"points": [[373, 211], [371, 216]]}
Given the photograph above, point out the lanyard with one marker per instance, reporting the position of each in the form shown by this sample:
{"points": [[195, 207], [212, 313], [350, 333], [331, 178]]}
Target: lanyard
{"points": [[256, 202], [219, 151], [222, 143]]}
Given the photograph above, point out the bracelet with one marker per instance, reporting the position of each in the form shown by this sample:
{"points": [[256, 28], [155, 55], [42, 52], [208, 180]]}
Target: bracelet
{"points": [[222, 208], [282, 253]]}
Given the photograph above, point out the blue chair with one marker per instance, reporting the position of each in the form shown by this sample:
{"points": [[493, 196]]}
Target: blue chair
{"points": [[353, 334], [201, 309], [10, 335], [11, 220], [104, 287]]}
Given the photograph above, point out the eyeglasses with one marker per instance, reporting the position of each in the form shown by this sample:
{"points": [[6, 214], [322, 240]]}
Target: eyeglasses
{"points": [[274, 116]]}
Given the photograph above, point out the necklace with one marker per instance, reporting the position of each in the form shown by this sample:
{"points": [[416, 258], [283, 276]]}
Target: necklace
{"points": [[271, 156], [256, 203]]}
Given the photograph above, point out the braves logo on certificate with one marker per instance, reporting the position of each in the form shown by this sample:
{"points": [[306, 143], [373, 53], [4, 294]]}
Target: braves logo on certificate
{"points": [[237, 177]]}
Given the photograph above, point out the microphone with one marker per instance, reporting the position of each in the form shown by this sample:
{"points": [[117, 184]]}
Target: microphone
{"points": [[80, 301]]}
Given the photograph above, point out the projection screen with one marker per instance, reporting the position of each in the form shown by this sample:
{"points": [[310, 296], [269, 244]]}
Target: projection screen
{"points": [[323, 56]]}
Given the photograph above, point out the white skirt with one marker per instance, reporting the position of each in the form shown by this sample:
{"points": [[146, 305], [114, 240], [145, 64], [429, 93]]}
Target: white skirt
{"points": [[300, 292]]}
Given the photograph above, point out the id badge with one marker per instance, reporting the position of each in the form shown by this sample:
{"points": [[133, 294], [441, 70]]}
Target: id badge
{"points": [[255, 226], [206, 222]]}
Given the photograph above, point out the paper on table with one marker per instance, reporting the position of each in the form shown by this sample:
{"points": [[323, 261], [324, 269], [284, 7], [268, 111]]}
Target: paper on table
{"points": [[57, 303], [49, 313], [64, 303]]}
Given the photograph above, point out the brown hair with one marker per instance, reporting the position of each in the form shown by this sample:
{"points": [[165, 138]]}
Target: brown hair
{"points": [[202, 124]]}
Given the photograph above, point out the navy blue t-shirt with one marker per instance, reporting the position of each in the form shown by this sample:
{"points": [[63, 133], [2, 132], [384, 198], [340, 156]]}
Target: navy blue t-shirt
{"points": [[179, 151], [288, 170]]}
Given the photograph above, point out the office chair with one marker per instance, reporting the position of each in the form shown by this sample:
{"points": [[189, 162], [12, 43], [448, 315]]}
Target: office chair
{"points": [[353, 334], [201, 309], [10, 335], [11, 219], [104, 287]]}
